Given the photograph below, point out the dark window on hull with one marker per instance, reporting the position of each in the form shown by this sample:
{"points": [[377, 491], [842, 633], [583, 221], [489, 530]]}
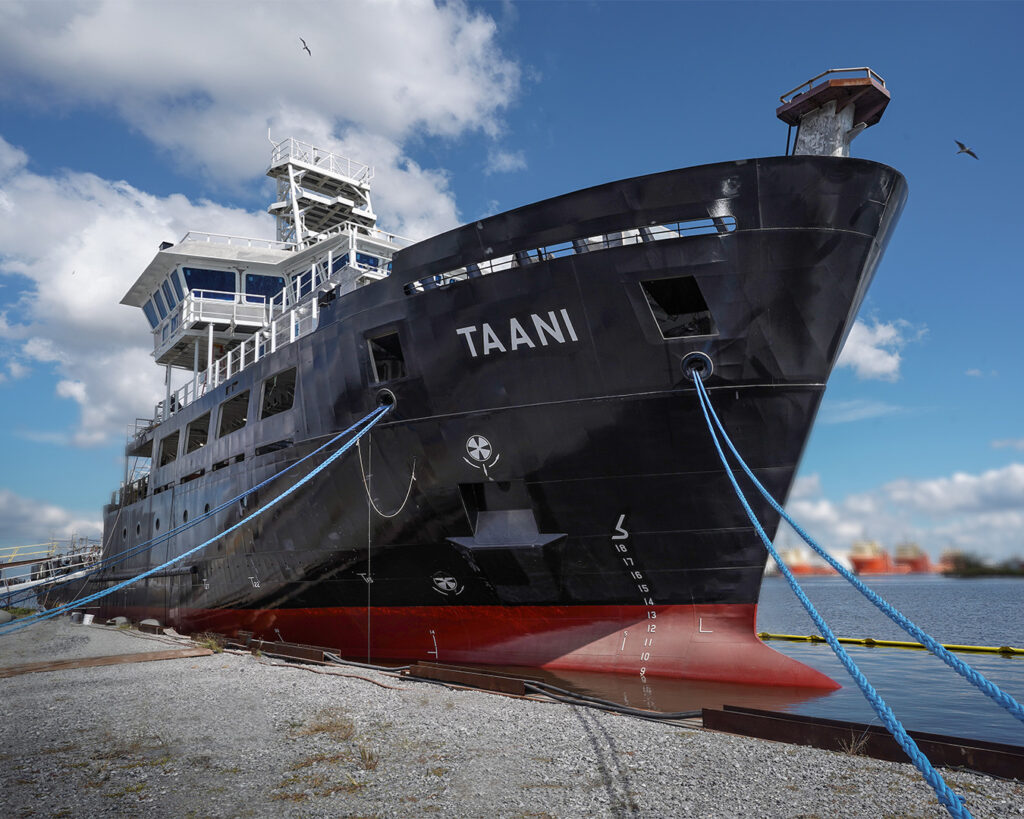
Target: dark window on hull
{"points": [[679, 307], [168, 449], [233, 414], [197, 432], [386, 355], [278, 393]]}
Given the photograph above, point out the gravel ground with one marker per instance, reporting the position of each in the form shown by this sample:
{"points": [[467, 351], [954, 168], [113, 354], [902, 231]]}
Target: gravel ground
{"points": [[234, 735]]}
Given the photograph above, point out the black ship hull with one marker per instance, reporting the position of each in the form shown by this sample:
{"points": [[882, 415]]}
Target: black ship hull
{"points": [[544, 490]]}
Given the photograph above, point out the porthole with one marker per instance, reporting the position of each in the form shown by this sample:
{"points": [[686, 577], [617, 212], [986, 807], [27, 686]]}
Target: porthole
{"points": [[206, 509], [184, 516], [158, 524], [138, 528], [124, 533]]}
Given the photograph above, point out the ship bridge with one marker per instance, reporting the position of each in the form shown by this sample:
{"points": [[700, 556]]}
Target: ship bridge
{"points": [[217, 303]]}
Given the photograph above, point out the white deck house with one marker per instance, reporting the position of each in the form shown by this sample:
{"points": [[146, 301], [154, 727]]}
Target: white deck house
{"points": [[216, 303]]}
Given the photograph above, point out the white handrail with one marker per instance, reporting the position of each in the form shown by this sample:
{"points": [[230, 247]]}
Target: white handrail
{"points": [[243, 241]]}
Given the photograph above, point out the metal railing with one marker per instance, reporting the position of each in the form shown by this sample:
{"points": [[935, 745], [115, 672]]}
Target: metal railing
{"points": [[360, 232], [15, 554], [211, 307], [294, 150], [236, 241], [806, 86], [586, 244]]}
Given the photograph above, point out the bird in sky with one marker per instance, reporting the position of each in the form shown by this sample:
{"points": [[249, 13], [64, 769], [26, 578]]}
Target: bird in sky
{"points": [[964, 149], [310, 53]]}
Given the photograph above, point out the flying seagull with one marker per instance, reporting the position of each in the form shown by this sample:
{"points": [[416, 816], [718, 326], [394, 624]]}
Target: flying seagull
{"points": [[964, 149], [310, 53]]}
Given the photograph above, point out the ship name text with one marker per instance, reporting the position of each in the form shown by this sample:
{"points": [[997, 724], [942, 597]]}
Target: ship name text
{"points": [[555, 327]]}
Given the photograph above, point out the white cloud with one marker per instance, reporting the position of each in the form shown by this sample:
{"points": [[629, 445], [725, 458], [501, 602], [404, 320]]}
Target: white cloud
{"points": [[994, 490], [981, 513], [1009, 443], [873, 351], [97, 238], [842, 412], [206, 80], [505, 161], [24, 521]]}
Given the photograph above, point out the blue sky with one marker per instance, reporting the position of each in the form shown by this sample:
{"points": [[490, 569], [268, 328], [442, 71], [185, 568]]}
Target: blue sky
{"points": [[126, 124]]}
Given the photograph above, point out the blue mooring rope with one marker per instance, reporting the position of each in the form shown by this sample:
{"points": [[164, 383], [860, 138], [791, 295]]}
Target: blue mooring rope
{"points": [[147, 545], [949, 799], [19, 624], [964, 669]]}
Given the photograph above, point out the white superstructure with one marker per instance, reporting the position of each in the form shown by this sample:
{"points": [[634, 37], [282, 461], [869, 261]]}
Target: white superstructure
{"points": [[218, 303]]}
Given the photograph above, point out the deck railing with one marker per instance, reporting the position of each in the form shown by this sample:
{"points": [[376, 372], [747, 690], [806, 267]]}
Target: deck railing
{"points": [[236, 241], [806, 86], [294, 150]]}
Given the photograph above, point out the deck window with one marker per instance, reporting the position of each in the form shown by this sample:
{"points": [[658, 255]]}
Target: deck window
{"points": [[150, 312], [679, 307], [278, 393], [215, 284], [233, 414], [168, 449], [366, 260], [197, 433], [386, 357], [262, 287]]}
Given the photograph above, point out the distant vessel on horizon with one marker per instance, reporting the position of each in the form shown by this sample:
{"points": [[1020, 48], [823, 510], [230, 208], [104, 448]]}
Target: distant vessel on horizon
{"points": [[869, 557], [802, 562]]}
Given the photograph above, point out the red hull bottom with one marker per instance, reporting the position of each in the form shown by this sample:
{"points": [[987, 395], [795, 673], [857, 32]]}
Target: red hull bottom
{"points": [[699, 642]]}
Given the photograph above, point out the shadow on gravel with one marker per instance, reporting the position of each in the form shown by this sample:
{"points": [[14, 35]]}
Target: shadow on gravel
{"points": [[614, 775]]}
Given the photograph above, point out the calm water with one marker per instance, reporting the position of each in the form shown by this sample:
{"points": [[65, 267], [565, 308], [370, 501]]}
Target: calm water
{"points": [[924, 693]]}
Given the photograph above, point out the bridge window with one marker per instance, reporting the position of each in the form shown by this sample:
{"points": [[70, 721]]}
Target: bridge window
{"points": [[168, 449], [196, 433], [262, 286], [168, 294], [159, 302], [278, 393], [176, 281], [386, 357], [679, 307], [150, 312], [338, 263], [233, 414], [366, 260], [215, 284]]}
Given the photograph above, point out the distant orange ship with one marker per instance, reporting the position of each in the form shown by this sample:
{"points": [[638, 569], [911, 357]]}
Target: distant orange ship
{"points": [[868, 557], [800, 561], [914, 558]]}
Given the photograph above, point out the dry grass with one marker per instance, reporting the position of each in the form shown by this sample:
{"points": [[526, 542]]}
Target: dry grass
{"points": [[368, 758], [210, 640], [854, 746], [333, 723]]}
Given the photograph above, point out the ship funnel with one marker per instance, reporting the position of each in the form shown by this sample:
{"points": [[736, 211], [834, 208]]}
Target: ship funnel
{"points": [[829, 114]]}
